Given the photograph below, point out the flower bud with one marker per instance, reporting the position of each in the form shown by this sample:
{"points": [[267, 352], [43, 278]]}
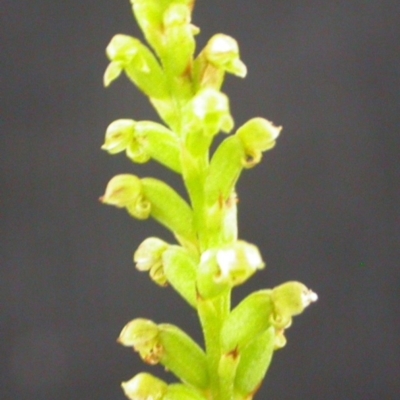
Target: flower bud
{"points": [[220, 55], [223, 268], [209, 108], [143, 336], [208, 283], [149, 253], [143, 140], [148, 196], [122, 48], [153, 140], [118, 135], [290, 299], [139, 63], [257, 135], [125, 190], [238, 262], [144, 386], [120, 51], [148, 257], [223, 52]]}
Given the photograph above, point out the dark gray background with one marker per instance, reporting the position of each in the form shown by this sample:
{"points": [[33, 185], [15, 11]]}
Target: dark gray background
{"points": [[323, 206]]}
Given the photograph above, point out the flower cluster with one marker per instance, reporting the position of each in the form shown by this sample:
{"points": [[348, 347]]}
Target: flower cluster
{"points": [[208, 259]]}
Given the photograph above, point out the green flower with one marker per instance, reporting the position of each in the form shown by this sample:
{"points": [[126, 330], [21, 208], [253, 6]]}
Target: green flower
{"points": [[125, 191], [119, 134], [143, 335], [222, 51], [148, 257], [238, 262], [209, 109]]}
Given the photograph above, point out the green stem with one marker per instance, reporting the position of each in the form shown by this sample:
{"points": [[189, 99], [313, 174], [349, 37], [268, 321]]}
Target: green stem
{"points": [[212, 314]]}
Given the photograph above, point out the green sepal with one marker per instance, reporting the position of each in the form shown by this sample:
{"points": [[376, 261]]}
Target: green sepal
{"points": [[255, 359], [183, 356], [224, 170], [139, 64], [169, 209], [144, 386], [247, 320], [180, 271], [178, 391], [112, 72]]}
